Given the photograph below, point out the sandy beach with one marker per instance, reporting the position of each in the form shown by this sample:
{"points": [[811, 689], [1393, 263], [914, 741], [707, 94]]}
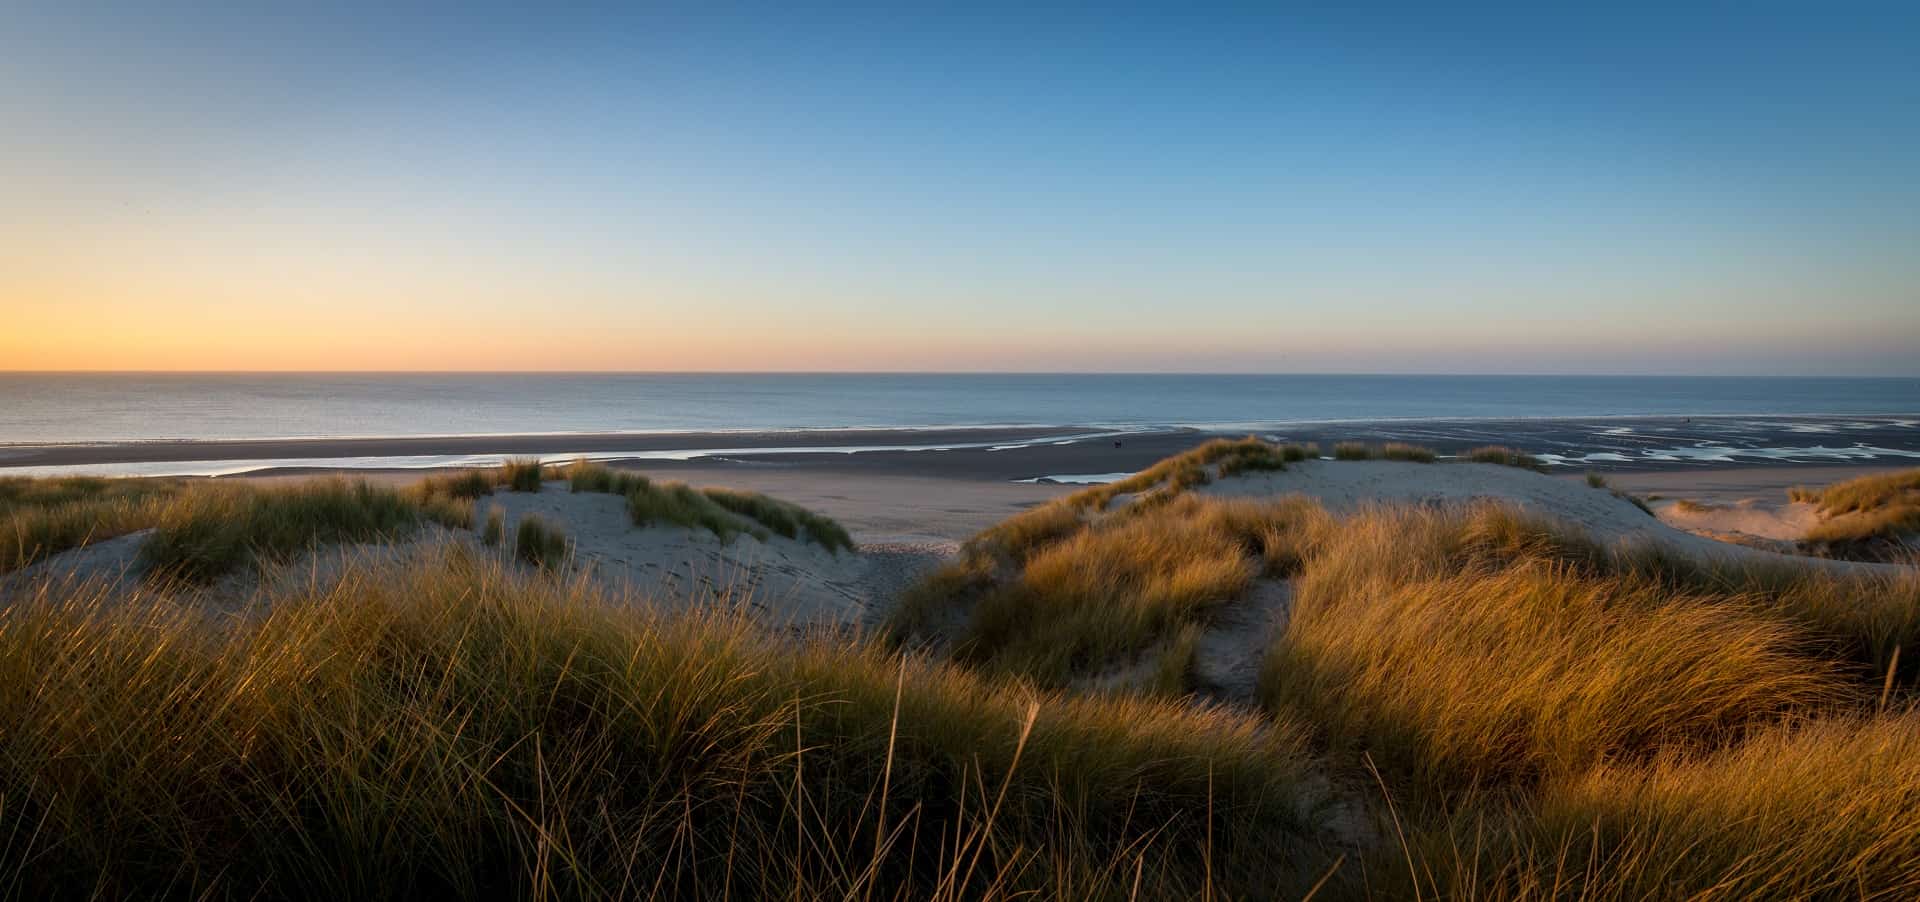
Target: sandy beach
{"points": [[944, 485]]}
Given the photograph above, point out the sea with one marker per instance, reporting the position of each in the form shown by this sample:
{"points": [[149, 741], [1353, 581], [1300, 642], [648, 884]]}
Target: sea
{"points": [[80, 408]]}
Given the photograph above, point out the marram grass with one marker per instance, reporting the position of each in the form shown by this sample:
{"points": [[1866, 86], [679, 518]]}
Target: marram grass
{"points": [[447, 727], [724, 512]]}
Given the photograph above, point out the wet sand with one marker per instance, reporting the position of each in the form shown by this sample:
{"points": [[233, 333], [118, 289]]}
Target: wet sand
{"points": [[947, 495], [1607, 444]]}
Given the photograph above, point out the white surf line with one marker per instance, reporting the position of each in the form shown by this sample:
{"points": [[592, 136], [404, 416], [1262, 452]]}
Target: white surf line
{"points": [[1707, 453], [1076, 479]]}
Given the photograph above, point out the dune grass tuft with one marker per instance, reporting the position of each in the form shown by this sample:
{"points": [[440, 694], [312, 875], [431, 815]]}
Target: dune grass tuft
{"points": [[537, 543], [495, 529], [523, 474], [783, 518], [467, 484], [1222, 457], [1596, 481], [1863, 494], [1403, 451], [452, 728], [215, 528], [1506, 457], [587, 476], [1872, 517], [1019, 536], [1294, 453], [679, 504], [42, 517], [1352, 451], [1110, 589], [724, 512]]}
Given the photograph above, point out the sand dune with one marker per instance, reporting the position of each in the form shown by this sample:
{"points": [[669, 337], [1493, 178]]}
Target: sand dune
{"points": [[1347, 485]]}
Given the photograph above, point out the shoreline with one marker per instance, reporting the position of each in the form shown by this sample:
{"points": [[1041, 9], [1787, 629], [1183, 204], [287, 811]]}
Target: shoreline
{"points": [[1568, 445]]}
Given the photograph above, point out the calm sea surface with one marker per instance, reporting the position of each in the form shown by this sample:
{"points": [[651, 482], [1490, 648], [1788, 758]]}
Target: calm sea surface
{"points": [[130, 407]]}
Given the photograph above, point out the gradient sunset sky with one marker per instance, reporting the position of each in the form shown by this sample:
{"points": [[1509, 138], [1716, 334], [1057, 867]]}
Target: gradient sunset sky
{"points": [[1418, 189]]}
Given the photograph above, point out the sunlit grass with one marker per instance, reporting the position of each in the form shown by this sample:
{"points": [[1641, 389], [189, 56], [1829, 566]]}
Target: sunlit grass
{"points": [[1822, 810], [42, 517], [215, 528], [537, 543], [1115, 589], [1504, 456], [468, 484], [1464, 701], [1870, 517], [523, 474], [495, 529], [448, 728], [1403, 451], [783, 518], [724, 512], [1352, 451], [1474, 649]]}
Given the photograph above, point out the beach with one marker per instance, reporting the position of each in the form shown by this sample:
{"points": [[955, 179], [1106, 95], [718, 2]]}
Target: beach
{"points": [[945, 484]]}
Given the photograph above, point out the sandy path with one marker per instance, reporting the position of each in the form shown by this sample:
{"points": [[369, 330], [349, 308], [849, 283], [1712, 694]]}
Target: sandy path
{"points": [[1227, 661]]}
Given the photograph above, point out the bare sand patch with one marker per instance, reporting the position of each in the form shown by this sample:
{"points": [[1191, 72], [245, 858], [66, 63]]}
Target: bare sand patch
{"points": [[783, 581]]}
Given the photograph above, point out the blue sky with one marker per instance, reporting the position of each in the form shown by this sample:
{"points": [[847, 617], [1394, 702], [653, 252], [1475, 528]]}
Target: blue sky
{"points": [[1722, 190]]}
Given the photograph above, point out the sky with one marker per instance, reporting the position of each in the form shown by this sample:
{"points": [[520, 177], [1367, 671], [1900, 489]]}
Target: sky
{"points": [[1730, 189]]}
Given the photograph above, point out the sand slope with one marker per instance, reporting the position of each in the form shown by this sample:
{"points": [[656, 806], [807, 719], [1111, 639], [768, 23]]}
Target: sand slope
{"points": [[1344, 486], [783, 581]]}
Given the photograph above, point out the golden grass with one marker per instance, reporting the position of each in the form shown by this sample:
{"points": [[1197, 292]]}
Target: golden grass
{"points": [[1504, 456], [537, 543], [451, 728], [1863, 494], [1018, 537], [587, 476], [1464, 652], [1403, 451], [724, 512], [495, 529], [1870, 518], [1108, 592], [1219, 457], [1823, 810], [1352, 451], [1501, 678], [469, 484], [1547, 717], [522, 474], [1484, 646], [41, 517], [209, 527], [1112, 588], [783, 518], [1889, 524], [214, 528], [1687, 506]]}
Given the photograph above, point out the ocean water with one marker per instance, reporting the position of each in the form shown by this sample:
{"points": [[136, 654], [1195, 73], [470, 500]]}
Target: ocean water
{"points": [[118, 407]]}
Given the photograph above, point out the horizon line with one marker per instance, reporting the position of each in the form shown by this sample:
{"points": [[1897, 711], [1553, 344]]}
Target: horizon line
{"points": [[639, 372]]}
